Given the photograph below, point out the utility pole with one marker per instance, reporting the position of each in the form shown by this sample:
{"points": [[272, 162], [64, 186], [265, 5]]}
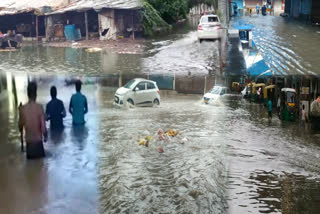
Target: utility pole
{"points": [[86, 23]]}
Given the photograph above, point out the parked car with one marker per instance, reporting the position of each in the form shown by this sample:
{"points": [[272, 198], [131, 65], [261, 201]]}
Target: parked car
{"points": [[139, 92], [215, 93], [209, 28]]}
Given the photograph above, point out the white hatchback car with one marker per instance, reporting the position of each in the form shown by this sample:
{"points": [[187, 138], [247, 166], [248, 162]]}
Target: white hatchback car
{"points": [[209, 28], [215, 93], [139, 92]]}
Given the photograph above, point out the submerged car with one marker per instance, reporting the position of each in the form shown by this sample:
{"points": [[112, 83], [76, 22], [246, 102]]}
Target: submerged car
{"points": [[209, 28], [138, 92], [215, 93]]}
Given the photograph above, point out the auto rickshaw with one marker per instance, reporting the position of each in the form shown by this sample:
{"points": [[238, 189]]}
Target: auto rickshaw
{"points": [[248, 90], [235, 86], [254, 92], [268, 92], [288, 106]]}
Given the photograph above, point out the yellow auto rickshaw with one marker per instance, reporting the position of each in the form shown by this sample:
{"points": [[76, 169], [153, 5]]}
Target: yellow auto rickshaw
{"points": [[268, 92], [235, 86]]}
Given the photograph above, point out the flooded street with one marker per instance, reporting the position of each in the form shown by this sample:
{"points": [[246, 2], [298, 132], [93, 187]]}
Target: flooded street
{"points": [[229, 157]]}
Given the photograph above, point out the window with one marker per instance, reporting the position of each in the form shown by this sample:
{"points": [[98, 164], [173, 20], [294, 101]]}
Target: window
{"points": [[208, 19], [291, 97], [215, 90], [141, 86], [212, 19], [223, 91], [130, 84], [150, 85]]}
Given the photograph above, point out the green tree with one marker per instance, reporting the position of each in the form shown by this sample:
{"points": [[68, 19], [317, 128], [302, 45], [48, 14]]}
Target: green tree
{"points": [[171, 10], [158, 14]]}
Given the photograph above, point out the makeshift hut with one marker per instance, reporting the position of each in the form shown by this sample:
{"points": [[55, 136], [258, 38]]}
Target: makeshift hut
{"points": [[105, 19], [26, 17]]}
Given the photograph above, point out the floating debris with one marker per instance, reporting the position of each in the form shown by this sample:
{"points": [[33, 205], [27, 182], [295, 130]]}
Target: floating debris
{"points": [[8, 50], [172, 133], [145, 141], [93, 50], [160, 149]]}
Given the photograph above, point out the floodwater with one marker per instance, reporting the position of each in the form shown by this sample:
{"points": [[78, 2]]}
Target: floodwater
{"points": [[229, 157], [289, 47]]}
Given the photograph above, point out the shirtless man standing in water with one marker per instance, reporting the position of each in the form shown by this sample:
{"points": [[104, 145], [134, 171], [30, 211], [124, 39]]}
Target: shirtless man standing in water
{"points": [[32, 120]]}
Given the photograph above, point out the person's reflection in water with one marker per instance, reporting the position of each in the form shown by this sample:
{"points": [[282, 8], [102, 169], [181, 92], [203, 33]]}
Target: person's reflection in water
{"points": [[79, 135], [57, 135]]}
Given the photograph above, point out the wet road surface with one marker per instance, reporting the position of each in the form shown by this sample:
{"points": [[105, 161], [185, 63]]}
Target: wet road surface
{"points": [[229, 158], [289, 47]]}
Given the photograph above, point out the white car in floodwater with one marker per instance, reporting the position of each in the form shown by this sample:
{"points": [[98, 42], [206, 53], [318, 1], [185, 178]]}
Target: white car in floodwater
{"points": [[209, 28], [138, 92], [215, 94]]}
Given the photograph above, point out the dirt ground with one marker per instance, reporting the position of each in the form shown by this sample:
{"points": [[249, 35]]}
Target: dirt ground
{"points": [[121, 46]]}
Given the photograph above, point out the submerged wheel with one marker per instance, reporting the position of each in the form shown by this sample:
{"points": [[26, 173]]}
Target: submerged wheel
{"points": [[156, 102], [130, 101]]}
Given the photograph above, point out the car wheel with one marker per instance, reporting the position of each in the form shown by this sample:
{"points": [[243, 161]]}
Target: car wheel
{"points": [[156, 102], [200, 40], [130, 101]]}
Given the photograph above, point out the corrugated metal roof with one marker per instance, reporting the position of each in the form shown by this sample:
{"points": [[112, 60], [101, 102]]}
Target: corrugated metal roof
{"points": [[83, 5], [8, 7]]}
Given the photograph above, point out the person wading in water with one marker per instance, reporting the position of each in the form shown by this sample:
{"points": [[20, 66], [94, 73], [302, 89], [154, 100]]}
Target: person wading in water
{"points": [[78, 106], [55, 111], [32, 120]]}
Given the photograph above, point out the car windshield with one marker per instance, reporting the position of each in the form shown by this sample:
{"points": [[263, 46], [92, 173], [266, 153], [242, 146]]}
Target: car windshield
{"points": [[208, 19], [130, 84], [215, 90], [291, 97]]}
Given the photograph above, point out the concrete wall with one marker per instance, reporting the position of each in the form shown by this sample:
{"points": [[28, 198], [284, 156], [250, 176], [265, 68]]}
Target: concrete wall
{"points": [[300, 8], [200, 9], [315, 11], [277, 7], [253, 3], [306, 7], [239, 3]]}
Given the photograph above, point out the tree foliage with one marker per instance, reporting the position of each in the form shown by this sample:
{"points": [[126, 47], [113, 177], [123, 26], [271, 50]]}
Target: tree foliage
{"points": [[193, 3], [152, 19], [171, 10], [160, 13]]}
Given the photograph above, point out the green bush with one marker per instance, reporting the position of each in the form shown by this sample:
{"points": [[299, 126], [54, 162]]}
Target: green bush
{"points": [[152, 21], [158, 14]]}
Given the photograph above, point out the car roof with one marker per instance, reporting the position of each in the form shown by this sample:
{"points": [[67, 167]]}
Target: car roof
{"points": [[211, 15], [288, 89], [142, 79], [219, 86]]}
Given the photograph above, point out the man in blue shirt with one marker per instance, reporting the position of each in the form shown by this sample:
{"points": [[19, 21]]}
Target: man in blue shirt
{"points": [[55, 111], [78, 105], [270, 108]]}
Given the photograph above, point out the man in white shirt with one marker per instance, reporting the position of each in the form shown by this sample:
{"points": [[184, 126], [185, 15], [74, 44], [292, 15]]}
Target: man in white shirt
{"points": [[303, 117]]}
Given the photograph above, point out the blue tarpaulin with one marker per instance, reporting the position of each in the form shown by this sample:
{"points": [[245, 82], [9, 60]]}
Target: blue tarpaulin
{"points": [[259, 68], [242, 26]]}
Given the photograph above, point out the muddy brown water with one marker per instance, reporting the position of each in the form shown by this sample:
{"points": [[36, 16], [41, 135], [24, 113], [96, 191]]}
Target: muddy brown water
{"points": [[229, 158]]}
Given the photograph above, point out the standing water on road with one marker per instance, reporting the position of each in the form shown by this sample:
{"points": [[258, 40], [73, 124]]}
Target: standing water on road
{"points": [[233, 159]]}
